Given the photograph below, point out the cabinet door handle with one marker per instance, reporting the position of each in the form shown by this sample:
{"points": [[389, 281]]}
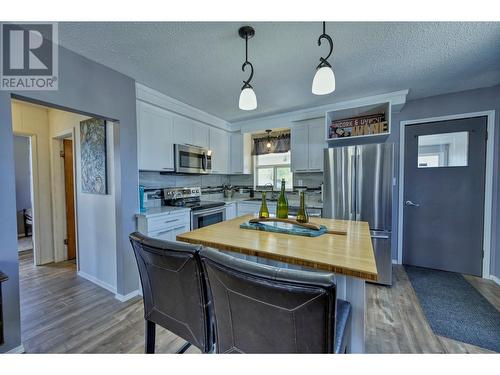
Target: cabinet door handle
{"points": [[171, 221], [170, 230]]}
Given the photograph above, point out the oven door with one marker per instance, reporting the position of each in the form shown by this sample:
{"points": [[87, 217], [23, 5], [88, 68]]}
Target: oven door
{"points": [[191, 159], [203, 218]]}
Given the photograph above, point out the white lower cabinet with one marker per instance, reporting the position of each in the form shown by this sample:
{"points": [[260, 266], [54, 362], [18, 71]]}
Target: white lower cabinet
{"points": [[165, 226], [245, 208], [231, 211]]}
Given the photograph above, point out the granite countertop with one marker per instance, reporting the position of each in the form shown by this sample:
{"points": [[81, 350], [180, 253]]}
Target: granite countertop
{"points": [[156, 211]]}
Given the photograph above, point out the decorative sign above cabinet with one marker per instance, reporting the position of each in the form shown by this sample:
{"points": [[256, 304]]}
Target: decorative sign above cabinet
{"points": [[358, 126], [368, 120]]}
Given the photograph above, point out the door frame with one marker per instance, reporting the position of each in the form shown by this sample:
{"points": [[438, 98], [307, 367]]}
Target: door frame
{"points": [[58, 203], [35, 195], [488, 192]]}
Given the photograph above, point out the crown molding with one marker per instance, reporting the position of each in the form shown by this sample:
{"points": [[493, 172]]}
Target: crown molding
{"points": [[397, 99], [151, 96]]}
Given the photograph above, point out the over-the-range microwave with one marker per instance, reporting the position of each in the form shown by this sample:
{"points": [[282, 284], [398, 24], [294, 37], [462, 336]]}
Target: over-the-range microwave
{"points": [[192, 159]]}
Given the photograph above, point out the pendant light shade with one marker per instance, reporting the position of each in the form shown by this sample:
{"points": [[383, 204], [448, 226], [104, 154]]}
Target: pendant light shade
{"points": [[248, 100], [324, 81]]}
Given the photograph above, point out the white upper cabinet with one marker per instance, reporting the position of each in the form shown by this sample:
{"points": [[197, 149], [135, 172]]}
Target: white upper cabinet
{"points": [[155, 138], [182, 130], [317, 144], [307, 145], [219, 145], [190, 132], [240, 161], [200, 135], [299, 147]]}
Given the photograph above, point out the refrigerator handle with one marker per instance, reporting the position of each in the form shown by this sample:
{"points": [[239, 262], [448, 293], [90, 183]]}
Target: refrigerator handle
{"points": [[359, 174], [352, 207]]}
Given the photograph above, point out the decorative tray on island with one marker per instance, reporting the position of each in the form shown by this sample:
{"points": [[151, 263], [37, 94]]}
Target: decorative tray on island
{"points": [[288, 226]]}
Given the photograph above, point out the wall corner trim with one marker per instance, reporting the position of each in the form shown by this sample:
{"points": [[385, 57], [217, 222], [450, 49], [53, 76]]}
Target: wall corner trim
{"points": [[96, 281], [495, 279], [126, 297], [17, 350]]}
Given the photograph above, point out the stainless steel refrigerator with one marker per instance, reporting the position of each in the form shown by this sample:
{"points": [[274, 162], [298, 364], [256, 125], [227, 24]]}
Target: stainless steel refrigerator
{"points": [[358, 186]]}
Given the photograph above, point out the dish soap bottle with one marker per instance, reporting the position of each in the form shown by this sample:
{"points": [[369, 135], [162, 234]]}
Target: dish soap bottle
{"points": [[264, 212], [282, 206], [302, 214]]}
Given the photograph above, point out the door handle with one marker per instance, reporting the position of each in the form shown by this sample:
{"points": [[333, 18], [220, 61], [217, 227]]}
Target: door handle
{"points": [[410, 203]]}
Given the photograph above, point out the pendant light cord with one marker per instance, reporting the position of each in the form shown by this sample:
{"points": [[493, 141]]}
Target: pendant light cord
{"points": [[246, 48]]}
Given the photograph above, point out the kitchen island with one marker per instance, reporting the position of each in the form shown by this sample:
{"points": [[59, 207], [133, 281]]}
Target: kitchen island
{"points": [[349, 256]]}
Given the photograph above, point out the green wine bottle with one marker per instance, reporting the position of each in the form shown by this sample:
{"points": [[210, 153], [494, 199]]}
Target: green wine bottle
{"points": [[282, 206], [302, 214], [264, 212]]}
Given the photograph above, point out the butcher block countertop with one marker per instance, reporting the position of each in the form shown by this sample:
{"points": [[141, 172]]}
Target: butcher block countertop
{"points": [[350, 254]]}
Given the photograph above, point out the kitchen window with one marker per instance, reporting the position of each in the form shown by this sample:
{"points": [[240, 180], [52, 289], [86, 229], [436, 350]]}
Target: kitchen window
{"points": [[271, 168]]}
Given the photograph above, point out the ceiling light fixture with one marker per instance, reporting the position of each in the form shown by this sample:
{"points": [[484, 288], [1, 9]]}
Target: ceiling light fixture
{"points": [[248, 100], [324, 79]]}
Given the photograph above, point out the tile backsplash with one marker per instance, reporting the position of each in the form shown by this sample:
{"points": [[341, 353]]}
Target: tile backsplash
{"points": [[311, 180], [155, 180]]}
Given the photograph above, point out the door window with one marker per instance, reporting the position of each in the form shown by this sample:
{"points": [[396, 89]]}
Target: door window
{"points": [[443, 150]]}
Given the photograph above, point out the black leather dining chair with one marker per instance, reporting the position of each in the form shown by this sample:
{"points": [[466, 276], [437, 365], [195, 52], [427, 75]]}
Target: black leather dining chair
{"points": [[174, 291], [265, 309]]}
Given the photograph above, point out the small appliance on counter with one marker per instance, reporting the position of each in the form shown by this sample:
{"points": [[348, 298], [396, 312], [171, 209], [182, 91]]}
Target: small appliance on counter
{"points": [[203, 213], [228, 191]]}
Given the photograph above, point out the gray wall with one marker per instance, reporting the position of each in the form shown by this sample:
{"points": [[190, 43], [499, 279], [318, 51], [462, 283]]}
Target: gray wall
{"points": [[92, 89], [23, 173], [462, 102]]}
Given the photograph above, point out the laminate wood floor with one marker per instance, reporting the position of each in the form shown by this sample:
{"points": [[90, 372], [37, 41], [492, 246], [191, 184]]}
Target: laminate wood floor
{"points": [[64, 313]]}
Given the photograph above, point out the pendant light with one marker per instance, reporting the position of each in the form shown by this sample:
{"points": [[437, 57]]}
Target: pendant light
{"points": [[268, 144], [248, 100], [324, 79]]}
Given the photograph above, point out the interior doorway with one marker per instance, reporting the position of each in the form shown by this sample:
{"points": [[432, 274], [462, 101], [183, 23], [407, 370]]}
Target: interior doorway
{"points": [[69, 194], [24, 189]]}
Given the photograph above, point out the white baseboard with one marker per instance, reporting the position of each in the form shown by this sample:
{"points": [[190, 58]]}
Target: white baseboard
{"points": [[495, 279], [395, 261], [126, 297], [96, 281], [17, 350]]}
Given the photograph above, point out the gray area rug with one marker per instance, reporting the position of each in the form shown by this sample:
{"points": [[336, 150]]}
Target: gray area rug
{"points": [[455, 309]]}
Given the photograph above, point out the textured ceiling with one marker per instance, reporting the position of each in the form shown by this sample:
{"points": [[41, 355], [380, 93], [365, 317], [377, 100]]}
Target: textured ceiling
{"points": [[199, 63]]}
